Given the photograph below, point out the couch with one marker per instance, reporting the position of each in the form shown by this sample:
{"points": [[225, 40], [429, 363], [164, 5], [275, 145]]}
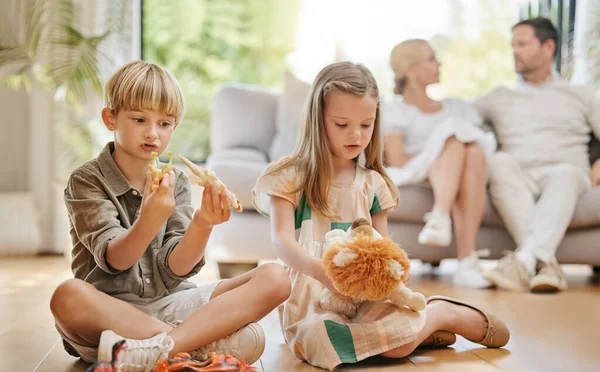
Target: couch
{"points": [[243, 125]]}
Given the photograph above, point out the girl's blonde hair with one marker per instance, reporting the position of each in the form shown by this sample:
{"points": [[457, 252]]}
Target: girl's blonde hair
{"points": [[404, 56], [140, 85], [312, 153]]}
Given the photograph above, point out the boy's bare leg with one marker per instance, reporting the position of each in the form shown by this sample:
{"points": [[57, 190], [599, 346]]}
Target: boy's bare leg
{"points": [[82, 312], [235, 303], [445, 316]]}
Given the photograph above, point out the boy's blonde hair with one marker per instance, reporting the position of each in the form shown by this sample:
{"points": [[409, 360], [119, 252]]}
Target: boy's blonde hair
{"points": [[312, 153], [140, 85], [404, 56]]}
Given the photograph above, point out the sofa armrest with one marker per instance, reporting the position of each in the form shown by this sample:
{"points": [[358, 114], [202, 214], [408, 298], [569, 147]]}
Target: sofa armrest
{"points": [[243, 116]]}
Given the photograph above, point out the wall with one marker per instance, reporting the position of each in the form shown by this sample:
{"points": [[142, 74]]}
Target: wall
{"points": [[14, 143], [27, 142]]}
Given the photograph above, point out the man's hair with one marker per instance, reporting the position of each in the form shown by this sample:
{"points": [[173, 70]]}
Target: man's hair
{"points": [[140, 85], [543, 28]]}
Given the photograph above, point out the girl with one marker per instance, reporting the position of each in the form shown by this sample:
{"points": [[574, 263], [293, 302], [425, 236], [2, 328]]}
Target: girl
{"points": [[441, 142], [324, 186]]}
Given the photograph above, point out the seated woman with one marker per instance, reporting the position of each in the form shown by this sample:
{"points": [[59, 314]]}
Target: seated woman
{"points": [[440, 142]]}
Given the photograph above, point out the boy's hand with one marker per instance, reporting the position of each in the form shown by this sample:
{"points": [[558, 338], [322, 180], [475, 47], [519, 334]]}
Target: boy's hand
{"points": [[159, 204], [215, 207]]}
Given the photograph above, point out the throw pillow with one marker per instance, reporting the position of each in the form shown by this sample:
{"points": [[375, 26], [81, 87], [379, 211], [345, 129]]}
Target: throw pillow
{"points": [[289, 114]]}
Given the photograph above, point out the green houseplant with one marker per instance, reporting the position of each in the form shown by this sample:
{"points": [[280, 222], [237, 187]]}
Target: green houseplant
{"points": [[41, 49]]}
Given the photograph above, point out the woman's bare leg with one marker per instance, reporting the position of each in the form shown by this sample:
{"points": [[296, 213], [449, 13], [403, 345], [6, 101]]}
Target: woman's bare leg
{"points": [[467, 212], [445, 174]]}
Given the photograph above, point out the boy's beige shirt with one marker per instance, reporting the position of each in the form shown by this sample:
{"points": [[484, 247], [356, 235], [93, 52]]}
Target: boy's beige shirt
{"points": [[103, 205]]}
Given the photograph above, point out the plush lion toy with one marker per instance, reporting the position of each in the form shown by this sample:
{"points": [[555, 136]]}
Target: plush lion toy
{"points": [[366, 267]]}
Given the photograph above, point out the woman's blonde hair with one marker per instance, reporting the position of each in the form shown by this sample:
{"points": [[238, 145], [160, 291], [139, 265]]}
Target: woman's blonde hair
{"points": [[140, 85], [404, 56], [312, 153]]}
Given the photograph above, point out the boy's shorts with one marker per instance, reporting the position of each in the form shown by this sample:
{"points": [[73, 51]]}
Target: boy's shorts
{"points": [[171, 309]]}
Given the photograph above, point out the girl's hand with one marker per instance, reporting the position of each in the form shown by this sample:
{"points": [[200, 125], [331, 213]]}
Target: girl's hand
{"points": [[158, 205], [215, 208], [324, 279]]}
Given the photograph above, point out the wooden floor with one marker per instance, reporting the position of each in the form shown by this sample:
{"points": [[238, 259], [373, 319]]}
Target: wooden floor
{"points": [[557, 332]]}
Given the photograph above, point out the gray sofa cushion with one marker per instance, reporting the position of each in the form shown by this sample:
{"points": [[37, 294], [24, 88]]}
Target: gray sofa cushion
{"points": [[289, 115], [416, 200], [587, 212], [243, 116]]}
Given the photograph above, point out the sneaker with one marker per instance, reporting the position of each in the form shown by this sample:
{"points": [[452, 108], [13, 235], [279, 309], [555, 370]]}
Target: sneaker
{"points": [[549, 278], [139, 355], [247, 343], [437, 230], [469, 273], [510, 274]]}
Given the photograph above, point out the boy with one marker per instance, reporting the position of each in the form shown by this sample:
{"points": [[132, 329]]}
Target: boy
{"points": [[134, 248]]}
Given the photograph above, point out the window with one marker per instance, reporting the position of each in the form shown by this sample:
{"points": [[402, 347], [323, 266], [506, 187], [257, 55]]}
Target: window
{"points": [[207, 43]]}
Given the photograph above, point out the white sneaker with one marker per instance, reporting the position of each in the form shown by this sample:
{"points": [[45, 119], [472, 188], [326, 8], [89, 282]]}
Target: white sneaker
{"points": [[469, 273], [247, 343], [139, 355], [437, 230]]}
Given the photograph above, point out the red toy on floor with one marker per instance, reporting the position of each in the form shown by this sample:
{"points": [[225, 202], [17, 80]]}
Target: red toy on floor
{"points": [[113, 366], [183, 362]]}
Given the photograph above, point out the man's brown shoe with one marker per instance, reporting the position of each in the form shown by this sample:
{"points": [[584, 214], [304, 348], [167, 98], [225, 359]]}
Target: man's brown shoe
{"points": [[549, 278], [510, 274]]}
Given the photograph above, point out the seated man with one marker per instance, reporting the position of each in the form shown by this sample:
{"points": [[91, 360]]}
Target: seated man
{"points": [[543, 127]]}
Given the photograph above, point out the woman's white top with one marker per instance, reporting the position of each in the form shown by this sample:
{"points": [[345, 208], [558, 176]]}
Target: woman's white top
{"points": [[425, 134]]}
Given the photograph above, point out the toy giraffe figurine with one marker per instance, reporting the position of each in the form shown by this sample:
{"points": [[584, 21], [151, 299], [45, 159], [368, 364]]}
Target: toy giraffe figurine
{"points": [[203, 177], [158, 173]]}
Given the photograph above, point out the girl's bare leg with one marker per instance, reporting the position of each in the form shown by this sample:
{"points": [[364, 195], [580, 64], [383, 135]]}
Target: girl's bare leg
{"points": [[445, 316]]}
